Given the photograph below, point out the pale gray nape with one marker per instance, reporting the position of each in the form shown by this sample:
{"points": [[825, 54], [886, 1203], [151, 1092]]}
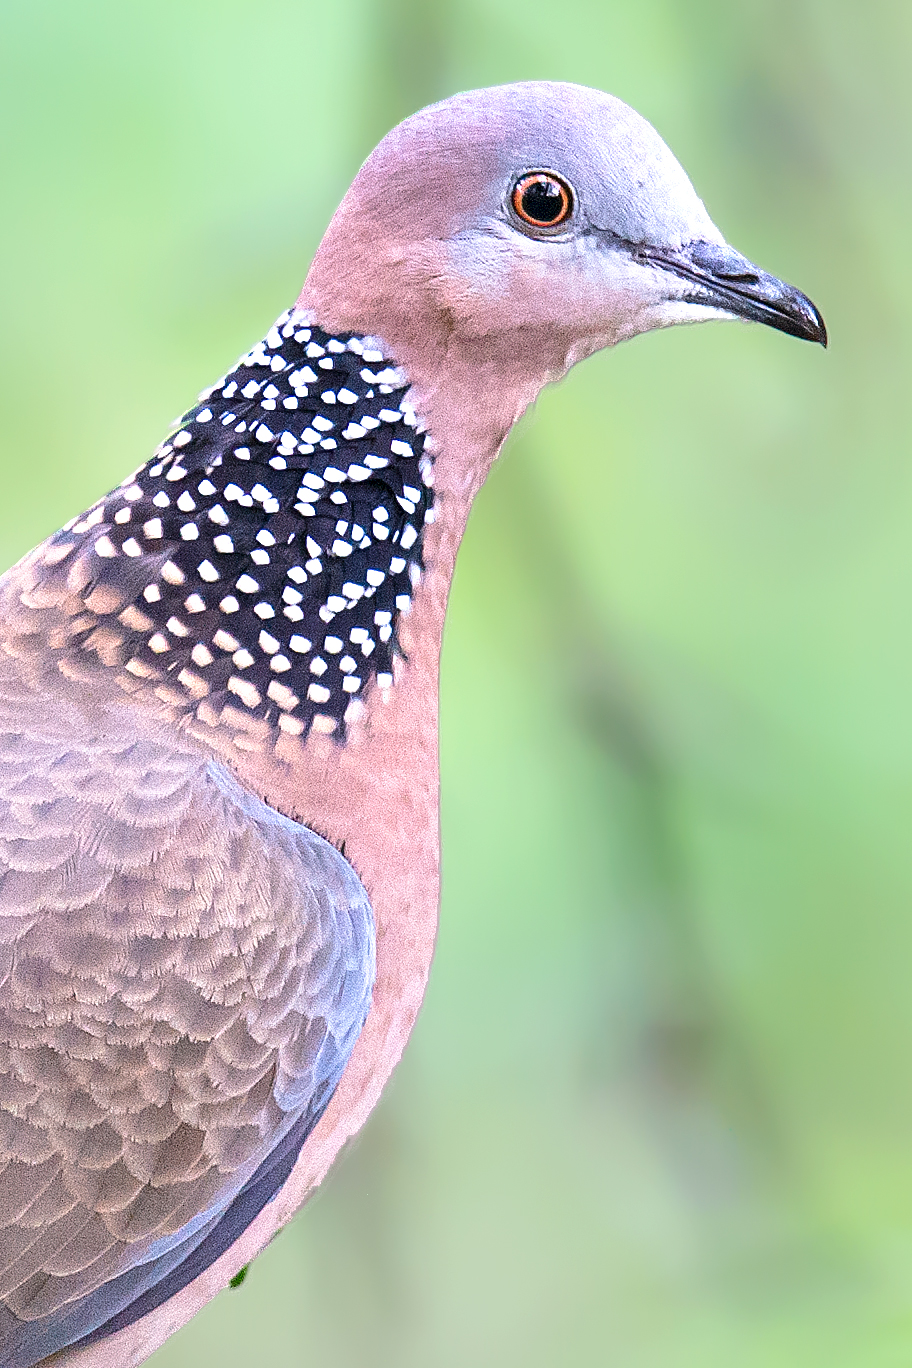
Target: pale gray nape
{"points": [[626, 180]]}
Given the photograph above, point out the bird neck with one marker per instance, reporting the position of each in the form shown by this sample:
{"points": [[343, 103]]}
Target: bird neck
{"points": [[273, 582], [469, 386]]}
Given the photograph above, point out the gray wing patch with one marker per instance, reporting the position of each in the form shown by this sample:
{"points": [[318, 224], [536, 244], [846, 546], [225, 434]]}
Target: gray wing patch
{"points": [[183, 975]]}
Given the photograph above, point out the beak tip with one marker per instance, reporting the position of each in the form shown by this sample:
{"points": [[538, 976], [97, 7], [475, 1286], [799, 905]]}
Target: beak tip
{"points": [[817, 329]]}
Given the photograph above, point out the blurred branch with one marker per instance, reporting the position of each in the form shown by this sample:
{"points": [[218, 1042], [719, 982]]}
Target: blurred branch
{"points": [[684, 1048]]}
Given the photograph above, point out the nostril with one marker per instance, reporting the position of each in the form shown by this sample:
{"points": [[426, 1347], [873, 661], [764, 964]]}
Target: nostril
{"points": [[722, 261]]}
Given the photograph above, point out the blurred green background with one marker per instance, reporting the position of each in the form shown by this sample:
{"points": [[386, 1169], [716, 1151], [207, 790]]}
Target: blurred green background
{"points": [[657, 1111]]}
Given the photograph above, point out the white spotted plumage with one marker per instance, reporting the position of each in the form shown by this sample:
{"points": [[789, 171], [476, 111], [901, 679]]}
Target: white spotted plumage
{"points": [[297, 500]]}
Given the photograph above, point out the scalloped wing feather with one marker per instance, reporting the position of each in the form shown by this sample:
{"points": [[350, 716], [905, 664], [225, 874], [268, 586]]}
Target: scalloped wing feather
{"points": [[183, 975]]}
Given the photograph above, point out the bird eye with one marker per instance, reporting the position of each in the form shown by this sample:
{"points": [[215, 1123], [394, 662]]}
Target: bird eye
{"points": [[542, 200]]}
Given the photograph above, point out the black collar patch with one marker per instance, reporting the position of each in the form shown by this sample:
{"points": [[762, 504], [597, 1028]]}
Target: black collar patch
{"points": [[271, 543]]}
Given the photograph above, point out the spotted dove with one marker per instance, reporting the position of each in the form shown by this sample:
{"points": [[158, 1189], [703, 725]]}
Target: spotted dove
{"points": [[218, 707]]}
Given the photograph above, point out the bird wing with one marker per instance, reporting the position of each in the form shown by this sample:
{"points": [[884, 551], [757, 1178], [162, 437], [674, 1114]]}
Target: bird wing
{"points": [[183, 975]]}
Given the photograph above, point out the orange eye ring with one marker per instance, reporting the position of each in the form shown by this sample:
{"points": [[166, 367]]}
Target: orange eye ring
{"points": [[542, 200]]}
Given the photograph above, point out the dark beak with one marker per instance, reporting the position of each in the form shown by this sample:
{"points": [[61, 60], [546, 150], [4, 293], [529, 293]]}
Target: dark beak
{"points": [[723, 279]]}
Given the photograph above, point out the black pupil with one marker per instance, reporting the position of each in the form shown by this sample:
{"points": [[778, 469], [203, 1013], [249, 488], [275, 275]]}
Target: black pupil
{"points": [[543, 201]]}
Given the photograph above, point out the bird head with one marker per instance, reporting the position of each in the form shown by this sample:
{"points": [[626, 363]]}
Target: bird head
{"points": [[495, 239], [535, 211]]}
